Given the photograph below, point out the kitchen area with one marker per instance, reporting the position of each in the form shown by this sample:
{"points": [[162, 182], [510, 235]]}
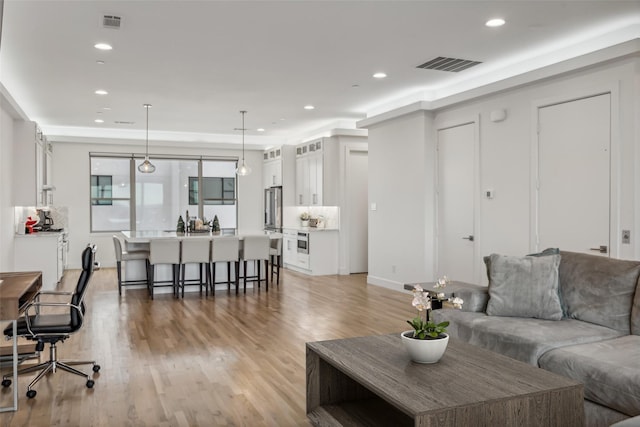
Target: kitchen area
{"points": [[309, 199], [41, 240]]}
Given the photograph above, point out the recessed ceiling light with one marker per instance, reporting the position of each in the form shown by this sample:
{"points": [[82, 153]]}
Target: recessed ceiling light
{"points": [[496, 22], [101, 92], [103, 46], [355, 86], [309, 107], [260, 129], [106, 108], [379, 75], [100, 62], [99, 121]]}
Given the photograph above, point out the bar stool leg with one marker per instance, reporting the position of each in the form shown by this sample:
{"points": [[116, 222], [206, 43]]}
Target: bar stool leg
{"points": [[237, 279], [245, 276], [266, 276], [118, 267]]}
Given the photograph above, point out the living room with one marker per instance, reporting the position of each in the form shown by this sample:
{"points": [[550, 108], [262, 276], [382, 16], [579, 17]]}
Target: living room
{"points": [[405, 220]]}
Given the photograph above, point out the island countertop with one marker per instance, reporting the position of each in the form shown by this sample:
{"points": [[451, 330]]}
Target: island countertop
{"points": [[145, 236]]}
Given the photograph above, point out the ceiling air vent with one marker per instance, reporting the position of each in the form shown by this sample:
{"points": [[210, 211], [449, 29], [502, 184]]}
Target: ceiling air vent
{"points": [[453, 65], [122, 122], [111, 21]]}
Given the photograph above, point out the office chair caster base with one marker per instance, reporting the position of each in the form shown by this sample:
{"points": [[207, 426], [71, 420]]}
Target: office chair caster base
{"points": [[90, 383], [96, 368], [6, 382], [31, 394]]}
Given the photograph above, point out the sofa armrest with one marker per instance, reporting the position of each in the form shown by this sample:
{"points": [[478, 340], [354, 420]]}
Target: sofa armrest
{"points": [[475, 297]]}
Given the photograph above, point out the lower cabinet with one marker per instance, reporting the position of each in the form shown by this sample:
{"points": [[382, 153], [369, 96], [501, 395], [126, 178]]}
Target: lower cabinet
{"points": [[40, 252], [322, 258]]}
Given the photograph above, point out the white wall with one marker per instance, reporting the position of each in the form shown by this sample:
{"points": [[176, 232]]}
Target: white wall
{"points": [[6, 185], [401, 185], [71, 177], [404, 199]]}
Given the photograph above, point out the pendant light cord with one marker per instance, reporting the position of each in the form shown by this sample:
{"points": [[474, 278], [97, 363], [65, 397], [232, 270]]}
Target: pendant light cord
{"points": [[243, 113]]}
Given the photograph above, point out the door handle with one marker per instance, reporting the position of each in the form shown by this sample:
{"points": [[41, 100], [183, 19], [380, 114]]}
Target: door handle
{"points": [[469, 238], [602, 249]]}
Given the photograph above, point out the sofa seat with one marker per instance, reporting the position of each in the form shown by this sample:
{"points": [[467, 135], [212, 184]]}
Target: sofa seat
{"points": [[610, 371], [522, 339]]}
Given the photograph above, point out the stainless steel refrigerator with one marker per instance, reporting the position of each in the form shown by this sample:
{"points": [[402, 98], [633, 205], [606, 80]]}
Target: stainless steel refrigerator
{"points": [[273, 209]]}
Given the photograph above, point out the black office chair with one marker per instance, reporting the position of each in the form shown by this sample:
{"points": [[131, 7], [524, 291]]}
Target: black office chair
{"points": [[51, 328]]}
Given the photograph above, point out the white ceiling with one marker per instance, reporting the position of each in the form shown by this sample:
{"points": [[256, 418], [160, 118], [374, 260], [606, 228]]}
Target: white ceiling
{"points": [[200, 62]]}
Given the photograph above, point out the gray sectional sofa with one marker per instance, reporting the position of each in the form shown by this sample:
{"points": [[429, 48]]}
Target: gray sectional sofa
{"points": [[574, 314]]}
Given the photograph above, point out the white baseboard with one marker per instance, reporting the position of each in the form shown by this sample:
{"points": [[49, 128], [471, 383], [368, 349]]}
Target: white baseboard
{"points": [[389, 284]]}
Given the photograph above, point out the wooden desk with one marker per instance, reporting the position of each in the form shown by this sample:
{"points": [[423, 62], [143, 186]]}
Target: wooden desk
{"points": [[17, 289]]}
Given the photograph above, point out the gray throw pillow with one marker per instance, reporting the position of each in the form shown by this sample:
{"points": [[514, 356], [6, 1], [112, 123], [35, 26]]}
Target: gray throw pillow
{"points": [[524, 287]]}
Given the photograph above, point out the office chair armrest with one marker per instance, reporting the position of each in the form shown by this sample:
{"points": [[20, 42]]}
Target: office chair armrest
{"points": [[37, 304], [54, 293]]}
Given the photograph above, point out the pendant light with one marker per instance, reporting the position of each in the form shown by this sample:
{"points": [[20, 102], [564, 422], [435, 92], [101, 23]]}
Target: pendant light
{"points": [[243, 169], [146, 166]]}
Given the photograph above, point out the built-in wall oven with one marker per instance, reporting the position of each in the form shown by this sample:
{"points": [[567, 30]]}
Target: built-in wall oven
{"points": [[303, 242]]}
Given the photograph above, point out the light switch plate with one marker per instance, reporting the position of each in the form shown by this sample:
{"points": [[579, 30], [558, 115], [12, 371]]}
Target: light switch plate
{"points": [[626, 237], [374, 206]]}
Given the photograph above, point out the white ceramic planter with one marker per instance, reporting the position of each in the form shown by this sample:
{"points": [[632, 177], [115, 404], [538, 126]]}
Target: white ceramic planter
{"points": [[424, 351]]}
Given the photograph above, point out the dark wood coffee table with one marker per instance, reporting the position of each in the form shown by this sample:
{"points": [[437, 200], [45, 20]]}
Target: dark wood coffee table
{"points": [[370, 381]]}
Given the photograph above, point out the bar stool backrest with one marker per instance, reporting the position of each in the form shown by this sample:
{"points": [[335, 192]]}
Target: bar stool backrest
{"points": [[164, 251], [276, 245], [196, 250], [225, 248], [117, 244], [256, 247]]}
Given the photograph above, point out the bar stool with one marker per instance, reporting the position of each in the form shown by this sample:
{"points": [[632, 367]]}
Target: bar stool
{"points": [[127, 256], [163, 251], [196, 250], [275, 256], [225, 249], [256, 248]]}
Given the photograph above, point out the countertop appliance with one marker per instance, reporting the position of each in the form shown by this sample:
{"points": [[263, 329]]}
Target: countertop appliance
{"points": [[303, 242], [273, 209]]}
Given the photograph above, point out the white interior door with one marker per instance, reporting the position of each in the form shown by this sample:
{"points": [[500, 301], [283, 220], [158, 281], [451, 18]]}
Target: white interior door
{"points": [[456, 239], [574, 140], [357, 200]]}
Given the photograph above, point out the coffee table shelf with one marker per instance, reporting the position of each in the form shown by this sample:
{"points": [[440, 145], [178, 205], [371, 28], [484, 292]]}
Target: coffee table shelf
{"points": [[370, 381]]}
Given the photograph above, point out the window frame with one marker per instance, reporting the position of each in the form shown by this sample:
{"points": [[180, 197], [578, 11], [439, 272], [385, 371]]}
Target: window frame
{"points": [[132, 199]]}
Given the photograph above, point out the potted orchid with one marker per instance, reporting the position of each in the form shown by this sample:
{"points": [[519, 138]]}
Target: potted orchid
{"points": [[427, 342], [304, 219]]}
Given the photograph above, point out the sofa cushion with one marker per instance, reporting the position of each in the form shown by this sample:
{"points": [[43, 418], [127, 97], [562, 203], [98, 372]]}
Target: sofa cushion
{"points": [[610, 371], [598, 290], [520, 338], [524, 287]]}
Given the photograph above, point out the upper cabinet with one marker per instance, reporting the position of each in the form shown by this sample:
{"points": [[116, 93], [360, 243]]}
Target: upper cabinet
{"points": [[30, 147], [316, 164], [272, 168]]}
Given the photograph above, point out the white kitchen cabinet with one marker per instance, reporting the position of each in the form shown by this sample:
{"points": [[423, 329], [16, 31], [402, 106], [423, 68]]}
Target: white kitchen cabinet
{"points": [[316, 173], [272, 173], [322, 258], [41, 252], [29, 153], [289, 246]]}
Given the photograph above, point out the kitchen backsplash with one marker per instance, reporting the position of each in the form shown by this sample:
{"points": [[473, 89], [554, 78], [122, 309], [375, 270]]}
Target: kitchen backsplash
{"points": [[331, 215], [59, 214]]}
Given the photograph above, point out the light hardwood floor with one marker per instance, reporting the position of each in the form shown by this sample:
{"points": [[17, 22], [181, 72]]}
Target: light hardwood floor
{"points": [[203, 361]]}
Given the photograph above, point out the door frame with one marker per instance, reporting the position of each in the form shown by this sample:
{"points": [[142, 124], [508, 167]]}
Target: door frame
{"points": [[344, 264], [474, 120], [613, 91]]}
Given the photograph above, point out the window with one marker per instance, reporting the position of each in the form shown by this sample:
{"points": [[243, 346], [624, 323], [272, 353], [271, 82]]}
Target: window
{"points": [[110, 194], [101, 191], [124, 199], [215, 191]]}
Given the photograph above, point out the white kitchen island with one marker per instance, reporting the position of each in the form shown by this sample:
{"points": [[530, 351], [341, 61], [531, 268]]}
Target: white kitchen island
{"points": [[139, 240]]}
